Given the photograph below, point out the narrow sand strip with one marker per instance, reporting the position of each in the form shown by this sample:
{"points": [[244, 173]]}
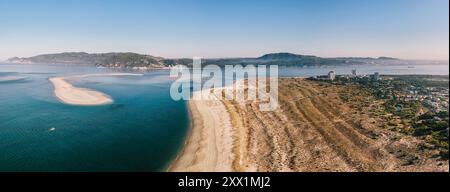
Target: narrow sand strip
{"points": [[11, 78], [69, 94], [209, 144]]}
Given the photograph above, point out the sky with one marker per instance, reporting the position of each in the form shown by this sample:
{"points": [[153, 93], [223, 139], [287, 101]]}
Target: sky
{"points": [[409, 29]]}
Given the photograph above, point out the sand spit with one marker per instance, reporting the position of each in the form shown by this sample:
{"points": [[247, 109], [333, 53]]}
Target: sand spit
{"points": [[11, 78], [69, 94]]}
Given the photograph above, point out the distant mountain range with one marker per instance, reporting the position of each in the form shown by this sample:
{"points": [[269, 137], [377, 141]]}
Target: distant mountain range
{"points": [[134, 60]]}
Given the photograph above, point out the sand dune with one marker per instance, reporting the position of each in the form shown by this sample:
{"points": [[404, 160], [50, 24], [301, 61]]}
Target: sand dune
{"points": [[311, 131], [69, 94]]}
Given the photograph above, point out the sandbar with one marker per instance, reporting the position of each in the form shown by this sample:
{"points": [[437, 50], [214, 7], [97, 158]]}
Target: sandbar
{"points": [[72, 95]]}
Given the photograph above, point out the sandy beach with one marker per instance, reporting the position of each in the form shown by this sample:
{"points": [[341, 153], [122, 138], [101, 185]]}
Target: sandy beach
{"points": [[209, 144], [310, 132], [69, 94]]}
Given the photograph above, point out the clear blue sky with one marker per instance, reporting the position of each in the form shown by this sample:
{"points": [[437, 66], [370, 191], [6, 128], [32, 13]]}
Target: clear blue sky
{"points": [[412, 29]]}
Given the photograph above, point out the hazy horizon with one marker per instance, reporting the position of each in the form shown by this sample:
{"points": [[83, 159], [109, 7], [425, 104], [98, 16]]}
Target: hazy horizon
{"points": [[226, 57], [406, 29]]}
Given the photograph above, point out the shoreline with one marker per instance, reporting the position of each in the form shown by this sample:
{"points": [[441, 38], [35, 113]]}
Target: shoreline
{"points": [[72, 95], [181, 151], [209, 143]]}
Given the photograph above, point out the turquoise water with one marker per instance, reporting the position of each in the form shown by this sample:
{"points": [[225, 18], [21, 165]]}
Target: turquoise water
{"points": [[143, 130]]}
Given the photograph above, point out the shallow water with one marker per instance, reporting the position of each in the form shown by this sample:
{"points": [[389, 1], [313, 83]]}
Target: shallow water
{"points": [[143, 130]]}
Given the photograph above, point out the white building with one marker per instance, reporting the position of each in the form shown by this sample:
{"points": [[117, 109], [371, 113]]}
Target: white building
{"points": [[376, 76], [331, 75]]}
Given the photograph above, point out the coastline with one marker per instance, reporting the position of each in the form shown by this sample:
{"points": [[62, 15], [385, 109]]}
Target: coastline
{"points": [[181, 151], [208, 145]]}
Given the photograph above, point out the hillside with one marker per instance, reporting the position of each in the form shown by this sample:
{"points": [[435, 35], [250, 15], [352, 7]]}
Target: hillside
{"points": [[131, 60], [101, 59]]}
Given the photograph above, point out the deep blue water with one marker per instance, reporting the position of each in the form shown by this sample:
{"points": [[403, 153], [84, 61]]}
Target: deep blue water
{"points": [[143, 130]]}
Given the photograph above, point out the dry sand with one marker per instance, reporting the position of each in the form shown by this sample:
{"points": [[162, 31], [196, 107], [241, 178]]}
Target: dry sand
{"points": [[209, 146], [311, 131], [69, 94]]}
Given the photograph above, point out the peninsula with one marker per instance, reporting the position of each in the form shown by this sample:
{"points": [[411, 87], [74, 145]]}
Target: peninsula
{"points": [[320, 126]]}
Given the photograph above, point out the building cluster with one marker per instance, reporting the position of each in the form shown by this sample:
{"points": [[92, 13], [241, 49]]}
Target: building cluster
{"points": [[332, 76], [435, 99]]}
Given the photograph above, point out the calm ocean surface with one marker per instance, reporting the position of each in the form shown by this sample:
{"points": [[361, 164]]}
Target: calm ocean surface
{"points": [[143, 130]]}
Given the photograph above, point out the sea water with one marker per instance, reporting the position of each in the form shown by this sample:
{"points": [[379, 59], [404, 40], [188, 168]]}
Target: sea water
{"points": [[142, 130]]}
